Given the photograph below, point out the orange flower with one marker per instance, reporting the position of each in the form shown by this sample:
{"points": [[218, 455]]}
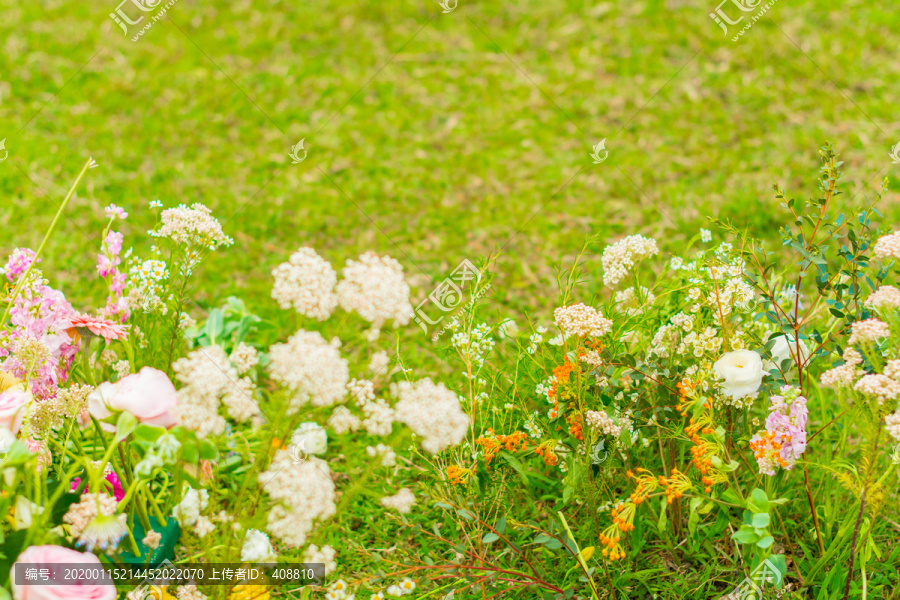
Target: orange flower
{"points": [[574, 421], [547, 451], [458, 475]]}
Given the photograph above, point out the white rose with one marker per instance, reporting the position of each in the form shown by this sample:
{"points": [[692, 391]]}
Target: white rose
{"points": [[257, 548], [742, 372], [311, 438], [784, 348]]}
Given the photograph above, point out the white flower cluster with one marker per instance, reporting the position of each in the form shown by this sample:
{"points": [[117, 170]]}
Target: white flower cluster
{"points": [[386, 453], [146, 285], [379, 417], [402, 501], [401, 589], [730, 291], [311, 368], [869, 330], [193, 502], [664, 341], [600, 421], [431, 411], [238, 400], [888, 246], [535, 339], [374, 287], [885, 297], [620, 258], [843, 375], [244, 358], [305, 494], [257, 547], [194, 226], [474, 345], [324, 555], [581, 320], [379, 363], [707, 341], [881, 387], [207, 376], [342, 420], [306, 283], [892, 421], [629, 301], [361, 390]]}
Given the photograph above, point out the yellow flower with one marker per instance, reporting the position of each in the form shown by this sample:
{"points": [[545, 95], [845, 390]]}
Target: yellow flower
{"points": [[247, 591], [9, 381]]}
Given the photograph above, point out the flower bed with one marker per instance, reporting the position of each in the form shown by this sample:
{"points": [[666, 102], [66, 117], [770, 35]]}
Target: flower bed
{"points": [[721, 413]]}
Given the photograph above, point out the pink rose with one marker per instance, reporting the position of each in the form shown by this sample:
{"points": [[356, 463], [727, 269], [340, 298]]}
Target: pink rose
{"points": [[13, 404], [147, 394], [47, 556]]}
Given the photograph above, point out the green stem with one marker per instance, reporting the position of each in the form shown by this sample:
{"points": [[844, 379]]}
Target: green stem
{"points": [[24, 278]]}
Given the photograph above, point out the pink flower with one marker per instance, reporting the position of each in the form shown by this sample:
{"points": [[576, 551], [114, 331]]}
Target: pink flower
{"points": [[148, 395], [19, 261], [114, 242], [47, 557], [40, 449], [106, 329], [116, 211], [104, 265], [783, 440], [13, 405], [114, 482]]}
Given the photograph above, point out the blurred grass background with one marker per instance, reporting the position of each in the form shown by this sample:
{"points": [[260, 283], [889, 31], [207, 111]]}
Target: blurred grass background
{"points": [[432, 137]]}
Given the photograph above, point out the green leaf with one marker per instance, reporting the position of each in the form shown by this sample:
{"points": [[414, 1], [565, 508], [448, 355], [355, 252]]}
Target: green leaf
{"points": [[765, 542], [190, 452], [466, 514], [779, 564], [760, 520], [663, 517], [568, 492], [500, 525], [744, 535], [148, 433], [553, 544], [208, 450], [490, 537], [516, 464], [214, 325], [126, 423], [758, 502]]}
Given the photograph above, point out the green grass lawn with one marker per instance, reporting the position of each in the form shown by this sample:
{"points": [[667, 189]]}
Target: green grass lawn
{"points": [[433, 137]]}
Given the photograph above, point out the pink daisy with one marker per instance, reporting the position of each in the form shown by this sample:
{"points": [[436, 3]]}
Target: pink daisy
{"points": [[108, 330]]}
